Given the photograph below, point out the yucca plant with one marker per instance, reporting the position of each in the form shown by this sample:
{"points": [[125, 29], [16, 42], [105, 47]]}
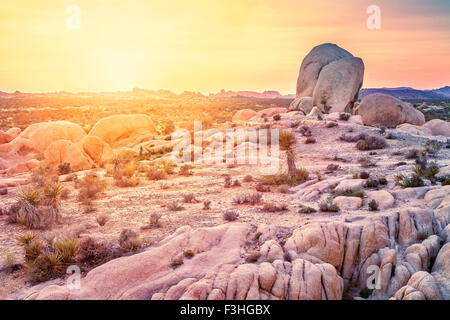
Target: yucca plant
{"points": [[28, 215], [66, 247]]}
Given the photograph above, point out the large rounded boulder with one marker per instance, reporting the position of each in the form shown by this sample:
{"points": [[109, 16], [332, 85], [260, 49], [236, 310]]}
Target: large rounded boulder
{"points": [[65, 151], [312, 65], [304, 104], [338, 85], [99, 151], [438, 127], [379, 109], [115, 128], [38, 136], [244, 115]]}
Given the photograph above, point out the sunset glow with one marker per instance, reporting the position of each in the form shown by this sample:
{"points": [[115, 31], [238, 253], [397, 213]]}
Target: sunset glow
{"points": [[209, 45]]}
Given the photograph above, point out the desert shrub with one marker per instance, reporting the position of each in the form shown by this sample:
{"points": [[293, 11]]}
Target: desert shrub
{"points": [[412, 154], [168, 167], [126, 182], [310, 140], [227, 182], [284, 188], [174, 206], [206, 205], [364, 175], [189, 198], [371, 143], [413, 181], [371, 183], [328, 206], [349, 193], [432, 147], [129, 240], [154, 174], [422, 235], [92, 253], [344, 116], [352, 138], [41, 175], [445, 180], [251, 199], [373, 205], [260, 187], [33, 195], [189, 254], [427, 171], [236, 183], [383, 181], [277, 117], [154, 219], [285, 179], [9, 262], [90, 186], [64, 168], [102, 219], [305, 209], [129, 169], [270, 206], [45, 262], [185, 170], [248, 178], [28, 215], [230, 215]]}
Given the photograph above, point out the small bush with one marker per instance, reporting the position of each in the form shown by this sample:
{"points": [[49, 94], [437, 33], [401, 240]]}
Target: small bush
{"points": [[64, 168], [344, 116], [383, 181], [285, 178], [272, 207], [66, 247], [251, 199], [155, 174], [284, 188], [230, 215], [364, 175], [174, 206], [189, 198], [227, 182], [373, 205], [248, 178], [9, 262], [310, 140], [412, 154], [185, 170], [102, 219], [328, 206], [412, 181], [371, 143], [349, 193], [371, 183], [277, 117], [206, 205], [236, 183], [189, 254], [262, 188], [90, 187], [154, 219], [305, 209], [422, 235], [129, 240]]}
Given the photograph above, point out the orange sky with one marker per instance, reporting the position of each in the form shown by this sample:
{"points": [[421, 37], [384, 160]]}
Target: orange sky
{"points": [[207, 45]]}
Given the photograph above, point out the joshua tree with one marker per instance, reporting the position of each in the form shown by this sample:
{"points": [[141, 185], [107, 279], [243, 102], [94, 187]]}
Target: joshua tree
{"points": [[287, 141]]}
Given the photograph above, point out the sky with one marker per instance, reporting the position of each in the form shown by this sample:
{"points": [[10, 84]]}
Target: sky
{"points": [[209, 45]]}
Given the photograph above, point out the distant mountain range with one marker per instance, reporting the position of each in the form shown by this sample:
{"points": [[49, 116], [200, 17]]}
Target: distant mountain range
{"points": [[409, 93], [400, 93]]}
